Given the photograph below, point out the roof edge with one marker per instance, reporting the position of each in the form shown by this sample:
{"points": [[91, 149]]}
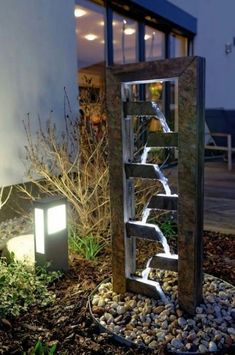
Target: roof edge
{"points": [[170, 13]]}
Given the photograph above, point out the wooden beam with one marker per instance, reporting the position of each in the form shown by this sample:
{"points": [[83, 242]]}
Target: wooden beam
{"points": [[190, 184]]}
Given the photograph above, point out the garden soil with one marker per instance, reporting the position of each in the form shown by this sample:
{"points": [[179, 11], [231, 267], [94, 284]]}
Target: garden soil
{"points": [[68, 323]]}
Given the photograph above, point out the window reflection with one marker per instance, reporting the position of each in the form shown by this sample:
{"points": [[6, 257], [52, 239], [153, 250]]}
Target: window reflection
{"points": [[124, 40], [178, 46], [90, 29], [90, 44], [154, 44]]}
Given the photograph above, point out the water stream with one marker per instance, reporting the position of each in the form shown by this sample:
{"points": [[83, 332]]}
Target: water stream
{"points": [[146, 211]]}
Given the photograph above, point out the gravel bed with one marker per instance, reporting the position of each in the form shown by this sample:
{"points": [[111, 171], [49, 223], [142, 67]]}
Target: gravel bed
{"points": [[153, 323]]}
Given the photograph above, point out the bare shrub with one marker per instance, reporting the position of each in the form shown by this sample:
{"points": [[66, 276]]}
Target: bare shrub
{"points": [[3, 198], [75, 166]]}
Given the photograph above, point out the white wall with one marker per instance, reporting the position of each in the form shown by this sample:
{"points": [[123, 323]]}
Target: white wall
{"points": [[216, 27], [37, 60]]}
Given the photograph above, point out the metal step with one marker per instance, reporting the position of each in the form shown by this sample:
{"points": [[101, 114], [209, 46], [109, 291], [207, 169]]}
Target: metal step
{"points": [[163, 202], [144, 171]]}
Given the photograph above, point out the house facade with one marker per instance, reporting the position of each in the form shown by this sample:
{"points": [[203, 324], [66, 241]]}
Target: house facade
{"points": [[37, 60], [49, 45], [215, 40]]}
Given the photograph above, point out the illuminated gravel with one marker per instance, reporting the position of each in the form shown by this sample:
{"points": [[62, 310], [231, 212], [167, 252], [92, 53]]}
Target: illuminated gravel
{"points": [[150, 323]]}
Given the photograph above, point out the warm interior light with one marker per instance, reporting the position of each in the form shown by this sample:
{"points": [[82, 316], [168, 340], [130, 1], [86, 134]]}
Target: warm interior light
{"points": [[90, 37], [146, 37], [129, 31], [79, 12], [56, 219], [39, 231]]}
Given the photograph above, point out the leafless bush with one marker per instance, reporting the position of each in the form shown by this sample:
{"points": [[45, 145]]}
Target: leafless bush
{"points": [[4, 199], [73, 164]]}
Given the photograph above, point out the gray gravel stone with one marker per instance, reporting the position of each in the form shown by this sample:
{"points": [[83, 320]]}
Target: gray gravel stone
{"points": [[212, 346], [202, 348], [176, 343], [151, 322]]}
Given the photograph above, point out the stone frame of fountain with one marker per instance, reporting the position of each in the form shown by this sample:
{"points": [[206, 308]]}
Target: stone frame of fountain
{"points": [[190, 72]]}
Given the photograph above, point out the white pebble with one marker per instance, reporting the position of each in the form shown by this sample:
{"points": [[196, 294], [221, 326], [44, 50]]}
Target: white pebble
{"points": [[231, 331], [212, 346]]}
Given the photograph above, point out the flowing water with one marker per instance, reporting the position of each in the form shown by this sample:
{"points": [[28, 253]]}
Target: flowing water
{"points": [[145, 274], [146, 211], [161, 118], [145, 214], [144, 155], [159, 235]]}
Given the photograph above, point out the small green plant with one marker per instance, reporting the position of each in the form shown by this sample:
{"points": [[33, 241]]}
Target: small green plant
{"points": [[168, 228], [22, 287], [41, 349], [88, 246]]}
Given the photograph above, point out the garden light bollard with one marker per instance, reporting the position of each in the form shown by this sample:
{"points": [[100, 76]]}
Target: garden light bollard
{"points": [[51, 233]]}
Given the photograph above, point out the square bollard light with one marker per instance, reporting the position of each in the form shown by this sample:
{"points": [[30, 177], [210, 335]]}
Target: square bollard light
{"points": [[51, 233]]}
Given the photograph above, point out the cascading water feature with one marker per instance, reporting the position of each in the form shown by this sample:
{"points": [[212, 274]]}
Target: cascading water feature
{"points": [[161, 117], [164, 181], [187, 74], [156, 284]]}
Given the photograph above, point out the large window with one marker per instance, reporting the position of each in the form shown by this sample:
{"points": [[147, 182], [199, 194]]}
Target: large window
{"points": [[178, 46], [124, 40], [103, 33], [154, 44], [90, 30]]}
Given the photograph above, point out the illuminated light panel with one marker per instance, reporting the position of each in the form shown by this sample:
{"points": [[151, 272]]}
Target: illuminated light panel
{"points": [[146, 37], [56, 219], [129, 31], [79, 12], [39, 231], [90, 37]]}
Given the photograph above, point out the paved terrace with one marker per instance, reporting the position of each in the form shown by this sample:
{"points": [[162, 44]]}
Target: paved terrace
{"points": [[219, 196], [219, 200]]}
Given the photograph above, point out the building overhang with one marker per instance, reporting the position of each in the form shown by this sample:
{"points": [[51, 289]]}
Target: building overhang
{"points": [[169, 13]]}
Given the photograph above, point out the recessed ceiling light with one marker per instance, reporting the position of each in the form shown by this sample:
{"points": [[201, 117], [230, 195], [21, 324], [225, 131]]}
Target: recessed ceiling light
{"points": [[101, 23], [90, 37], [146, 37], [129, 31], [79, 12]]}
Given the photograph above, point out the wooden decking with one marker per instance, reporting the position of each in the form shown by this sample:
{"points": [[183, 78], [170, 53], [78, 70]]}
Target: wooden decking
{"points": [[219, 198]]}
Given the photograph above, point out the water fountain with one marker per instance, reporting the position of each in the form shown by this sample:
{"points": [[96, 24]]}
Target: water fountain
{"points": [[189, 141], [187, 265]]}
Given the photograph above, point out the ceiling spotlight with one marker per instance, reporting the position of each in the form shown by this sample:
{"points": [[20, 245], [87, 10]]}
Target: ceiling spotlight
{"points": [[90, 37], [79, 12], [129, 31], [146, 37]]}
